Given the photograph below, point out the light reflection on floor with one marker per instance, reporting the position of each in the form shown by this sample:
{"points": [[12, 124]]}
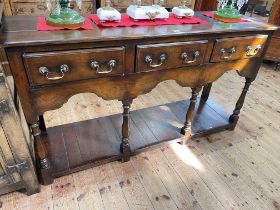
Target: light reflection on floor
{"points": [[187, 156]]}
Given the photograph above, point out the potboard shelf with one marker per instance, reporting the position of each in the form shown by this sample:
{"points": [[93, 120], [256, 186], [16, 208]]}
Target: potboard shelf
{"points": [[77, 146]]}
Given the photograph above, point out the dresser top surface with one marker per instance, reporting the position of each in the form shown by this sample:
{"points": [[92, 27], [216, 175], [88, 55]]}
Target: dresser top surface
{"points": [[21, 31]]}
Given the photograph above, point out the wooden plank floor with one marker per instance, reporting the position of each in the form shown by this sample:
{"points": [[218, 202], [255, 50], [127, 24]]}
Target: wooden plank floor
{"points": [[229, 170]]}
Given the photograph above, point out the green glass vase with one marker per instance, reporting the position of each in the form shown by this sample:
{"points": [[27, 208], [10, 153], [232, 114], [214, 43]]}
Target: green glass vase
{"points": [[228, 12], [63, 16]]}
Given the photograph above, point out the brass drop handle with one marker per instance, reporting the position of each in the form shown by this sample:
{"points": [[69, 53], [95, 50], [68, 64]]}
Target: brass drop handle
{"points": [[96, 66], [185, 57], [251, 51], [227, 53], [46, 72], [149, 61]]}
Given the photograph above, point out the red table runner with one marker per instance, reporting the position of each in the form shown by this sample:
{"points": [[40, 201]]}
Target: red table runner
{"points": [[127, 21], [43, 26], [211, 15]]}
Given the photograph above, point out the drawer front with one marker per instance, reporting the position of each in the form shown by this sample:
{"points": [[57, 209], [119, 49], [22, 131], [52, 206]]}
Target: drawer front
{"points": [[238, 48], [170, 55], [57, 67]]}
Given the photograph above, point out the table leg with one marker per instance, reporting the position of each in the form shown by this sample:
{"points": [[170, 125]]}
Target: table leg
{"points": [[125, 146], [206, 91], [235, 116], [186, 129], [42, 161]]}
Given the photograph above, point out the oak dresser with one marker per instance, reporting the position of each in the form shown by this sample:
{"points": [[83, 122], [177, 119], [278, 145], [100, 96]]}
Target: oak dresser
{"points": [[49, 67]]}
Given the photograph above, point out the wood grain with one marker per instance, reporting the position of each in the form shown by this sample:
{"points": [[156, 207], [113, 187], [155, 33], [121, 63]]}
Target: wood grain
{"points": [[240, 45], [78, 61], [173, 55], [76, 146], [243, 165]]}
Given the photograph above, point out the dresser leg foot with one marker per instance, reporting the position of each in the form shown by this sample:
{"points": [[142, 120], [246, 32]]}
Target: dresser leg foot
{"points": [[125, 146], [233, 119], [43, 164], [206, 92], [30, 191], [125, 150], [187, 128]]}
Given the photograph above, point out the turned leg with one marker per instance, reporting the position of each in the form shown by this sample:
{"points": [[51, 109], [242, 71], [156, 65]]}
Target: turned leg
{"points": [[125, 147], [235, 116], [206, 91], [42, 161], [42, 124], [186, 130]]}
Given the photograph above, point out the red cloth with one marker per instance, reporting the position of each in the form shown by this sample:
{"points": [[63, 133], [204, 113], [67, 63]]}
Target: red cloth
{"points": [[127, 21], [211, 15], [43, 26]]}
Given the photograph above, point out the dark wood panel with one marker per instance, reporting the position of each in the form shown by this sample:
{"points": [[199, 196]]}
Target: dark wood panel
{"points": [[274, 17], [72, 145], [204, 120], [238, 48], [56, 141], [162, 122], [205, 5], [146, 132], [76, 146], [194, 53], [105, 139], [78, 62], [273, 50]]}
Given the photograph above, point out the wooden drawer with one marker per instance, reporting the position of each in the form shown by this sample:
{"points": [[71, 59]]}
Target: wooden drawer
{"points": [[56, 67], [238, 48], [170, 55], [31, 7]]}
